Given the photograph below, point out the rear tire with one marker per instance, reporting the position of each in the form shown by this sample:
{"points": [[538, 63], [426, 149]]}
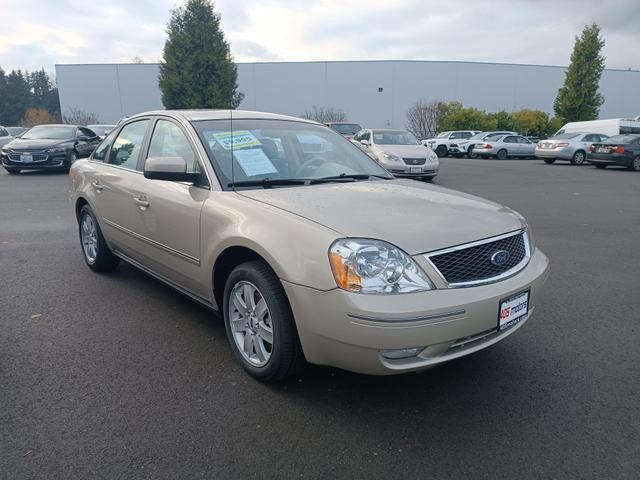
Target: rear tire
{"points": [[635, 164], [12, 171], [246, 323], [549, 161], [502, 154], [470, 153], [441, 151], [95, 251], [578, 158]]}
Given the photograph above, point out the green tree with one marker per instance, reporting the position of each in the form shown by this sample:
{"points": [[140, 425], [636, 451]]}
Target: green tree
{"points": [[504, 120], [16, 97], [197, 70], [454, 116], [531, 122], [578, 99], [44, 92]]}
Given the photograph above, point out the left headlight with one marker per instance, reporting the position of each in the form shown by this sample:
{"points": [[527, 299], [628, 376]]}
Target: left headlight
{"points": [[373, 266], [55, 150], [391, 157]]}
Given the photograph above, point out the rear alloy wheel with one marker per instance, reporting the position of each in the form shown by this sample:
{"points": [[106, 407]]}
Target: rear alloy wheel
{"points": [[502, 154], [578, 158], [635, 164], [96, 253], [12, 171], [260, 324], [549, 161], [470, 153], [442, 151]]}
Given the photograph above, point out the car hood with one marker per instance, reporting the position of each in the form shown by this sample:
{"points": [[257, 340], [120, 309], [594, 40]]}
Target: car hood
{"points": [[402, 151], [414, 216], [20, 143]]}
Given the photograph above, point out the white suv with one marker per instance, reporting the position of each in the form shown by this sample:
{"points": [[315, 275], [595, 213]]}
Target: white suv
{"points": [[441, 143]]}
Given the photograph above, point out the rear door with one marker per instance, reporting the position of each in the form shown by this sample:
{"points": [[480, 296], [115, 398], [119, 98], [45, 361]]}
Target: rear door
{"points": [[511, 145], [115, 187], [526, 147], [169, 212]]}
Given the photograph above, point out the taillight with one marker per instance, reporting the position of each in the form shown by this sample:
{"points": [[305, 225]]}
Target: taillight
{"points": [[561, 145], [619, 149], [591, 148], [487, 145]]}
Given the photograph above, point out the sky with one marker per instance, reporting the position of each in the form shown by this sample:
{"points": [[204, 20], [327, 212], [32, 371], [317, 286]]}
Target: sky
{"points": [[38, 34]]}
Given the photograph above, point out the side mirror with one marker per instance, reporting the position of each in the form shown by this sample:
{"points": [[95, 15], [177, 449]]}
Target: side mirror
{"points": [[83, 138], [364, 142], [168, 168]]}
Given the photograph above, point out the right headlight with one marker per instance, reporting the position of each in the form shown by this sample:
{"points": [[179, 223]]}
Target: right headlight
{"points": [[391, 157], [373, 266]]}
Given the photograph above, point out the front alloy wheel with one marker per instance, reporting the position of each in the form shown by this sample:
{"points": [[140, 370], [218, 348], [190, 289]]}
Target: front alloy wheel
{"points": [[89, 238], [635, 164], [578, 158], [95, 251], [250, 322]]}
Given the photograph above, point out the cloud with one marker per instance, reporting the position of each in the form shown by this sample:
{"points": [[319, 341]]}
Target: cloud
{"points": [[38, 34]]}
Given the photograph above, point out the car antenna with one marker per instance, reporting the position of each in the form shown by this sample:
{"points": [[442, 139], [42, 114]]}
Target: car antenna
{"points": [[233, 176]]}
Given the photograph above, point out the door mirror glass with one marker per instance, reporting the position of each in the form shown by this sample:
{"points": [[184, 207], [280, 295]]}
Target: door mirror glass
{"points": [[168, 168]]}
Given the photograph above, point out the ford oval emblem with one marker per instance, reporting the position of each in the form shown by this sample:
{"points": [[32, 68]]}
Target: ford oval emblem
{"points": [[499, 258]]}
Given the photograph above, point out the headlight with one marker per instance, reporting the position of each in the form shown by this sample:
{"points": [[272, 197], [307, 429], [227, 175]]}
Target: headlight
{"points": [[373, 266], [390, 157], [55, 150], [5, 151]]}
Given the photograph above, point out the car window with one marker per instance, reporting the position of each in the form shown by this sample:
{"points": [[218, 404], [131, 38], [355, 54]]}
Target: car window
{"points": [[509, 139], [100, 153], [126, 148], [366, 136], [523, 140], [168, 140], [3, 133], [466, 134], [602, 138], [455, 135], [86, 132]]}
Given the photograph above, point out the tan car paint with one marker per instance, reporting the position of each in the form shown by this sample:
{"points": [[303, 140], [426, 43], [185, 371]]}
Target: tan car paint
{"points": [[183, 231]]}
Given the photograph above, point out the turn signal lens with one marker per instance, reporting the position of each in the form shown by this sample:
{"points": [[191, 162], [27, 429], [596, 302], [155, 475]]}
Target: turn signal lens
{"points": [[619, 149], [344, 273], [488, 145]]}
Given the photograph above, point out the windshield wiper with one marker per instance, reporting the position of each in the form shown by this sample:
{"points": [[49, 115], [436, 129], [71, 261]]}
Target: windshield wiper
{"points": [[346, 177], [268, 182]]}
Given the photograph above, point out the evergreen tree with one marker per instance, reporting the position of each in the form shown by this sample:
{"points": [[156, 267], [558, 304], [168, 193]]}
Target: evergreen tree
{"points": [[44, 92], [17, 96], [197, 70], [3, 96], [578, 99]]}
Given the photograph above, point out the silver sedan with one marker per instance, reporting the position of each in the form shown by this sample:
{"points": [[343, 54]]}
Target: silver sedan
{"points": [[505, 146], [568, 146]]}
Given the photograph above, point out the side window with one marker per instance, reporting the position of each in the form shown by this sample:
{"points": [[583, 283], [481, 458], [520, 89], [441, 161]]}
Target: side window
{"points": [[85, 132], [603, 138], [523, 140], [169, 141], [356, 137], [509, 140], [455, 135], [3, 132], [100, 153], [590, 138], [366, 136], [466, 135], [126, 148]]}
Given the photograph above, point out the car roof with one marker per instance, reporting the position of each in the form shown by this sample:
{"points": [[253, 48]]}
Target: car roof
{"points": [[222, 114]]}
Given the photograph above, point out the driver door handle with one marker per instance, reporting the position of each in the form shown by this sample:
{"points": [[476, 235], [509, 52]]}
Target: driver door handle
{"points": [[141, 202]]}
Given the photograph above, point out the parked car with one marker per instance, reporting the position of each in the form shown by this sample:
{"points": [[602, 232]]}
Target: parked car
{"points": [[399, 152], [101, 130], [466, 146], [505, 146], [313, 258], [15, 132], [440, 144], [5, 136], [623, 150], [606, 126], [567, 146], [48, 147], [347, 130]]}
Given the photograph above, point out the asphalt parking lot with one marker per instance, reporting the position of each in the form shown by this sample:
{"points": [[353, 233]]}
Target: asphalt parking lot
{"points": [[118, 376]]}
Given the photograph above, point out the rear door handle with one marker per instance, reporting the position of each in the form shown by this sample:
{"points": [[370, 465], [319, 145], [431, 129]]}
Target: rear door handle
{"points": [[141, 202]]}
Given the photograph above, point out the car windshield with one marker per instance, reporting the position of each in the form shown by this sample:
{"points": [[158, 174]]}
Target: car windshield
{"points": [[100, 129], [393, 137], [49, 132], [566, 136], [13, 131], [272, 151], [622, 139], [443, 134], [346, 128]]}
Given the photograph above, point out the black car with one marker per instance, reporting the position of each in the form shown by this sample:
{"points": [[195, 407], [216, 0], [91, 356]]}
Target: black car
{"points": [[48, 147], [623, 150]]}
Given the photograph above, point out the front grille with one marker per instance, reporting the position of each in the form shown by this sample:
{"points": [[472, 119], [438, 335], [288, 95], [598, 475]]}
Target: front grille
{"points": [[474, 264], [414, 161], [37, 157]]}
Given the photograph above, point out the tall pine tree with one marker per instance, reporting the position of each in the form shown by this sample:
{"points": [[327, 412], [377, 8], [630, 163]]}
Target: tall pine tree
{"points": [[578, 99], [197, 70], [17, 96]]}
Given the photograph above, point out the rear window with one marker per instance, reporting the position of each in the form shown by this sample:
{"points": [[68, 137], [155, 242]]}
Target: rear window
{"points": [[566, 136], [346, 128], [622, 139]]}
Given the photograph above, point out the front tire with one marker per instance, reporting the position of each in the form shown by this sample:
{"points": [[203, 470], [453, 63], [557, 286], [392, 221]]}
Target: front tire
{"points": [[470, 153], [635, 164], [442, 151], [502, 154], [578, 158], [95, 251], [549, 161], [260, 324]]}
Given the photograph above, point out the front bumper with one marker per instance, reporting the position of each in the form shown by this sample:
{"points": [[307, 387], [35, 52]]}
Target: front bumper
{"points": [[562, 153], [350, 331], [41, 161], [457, 149], [424, 172]]}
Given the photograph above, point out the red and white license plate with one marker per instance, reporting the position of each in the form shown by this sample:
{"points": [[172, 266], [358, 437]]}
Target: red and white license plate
{"points": [[511, 310]]}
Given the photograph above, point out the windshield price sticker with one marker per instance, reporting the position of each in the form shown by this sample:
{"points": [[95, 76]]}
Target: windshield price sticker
{"points": [[236, 140], [254, 162]]}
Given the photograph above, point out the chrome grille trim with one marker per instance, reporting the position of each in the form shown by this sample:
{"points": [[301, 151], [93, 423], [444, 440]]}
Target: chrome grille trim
{"points": [[502, 276]]}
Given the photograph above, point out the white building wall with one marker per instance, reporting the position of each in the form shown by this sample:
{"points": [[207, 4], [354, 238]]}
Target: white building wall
{"points": [[116, 90]]}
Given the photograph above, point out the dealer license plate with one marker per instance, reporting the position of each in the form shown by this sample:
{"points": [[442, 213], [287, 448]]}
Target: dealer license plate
{"points": [[415, 169], [511, 310], [26, 158], [602, 150]]}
